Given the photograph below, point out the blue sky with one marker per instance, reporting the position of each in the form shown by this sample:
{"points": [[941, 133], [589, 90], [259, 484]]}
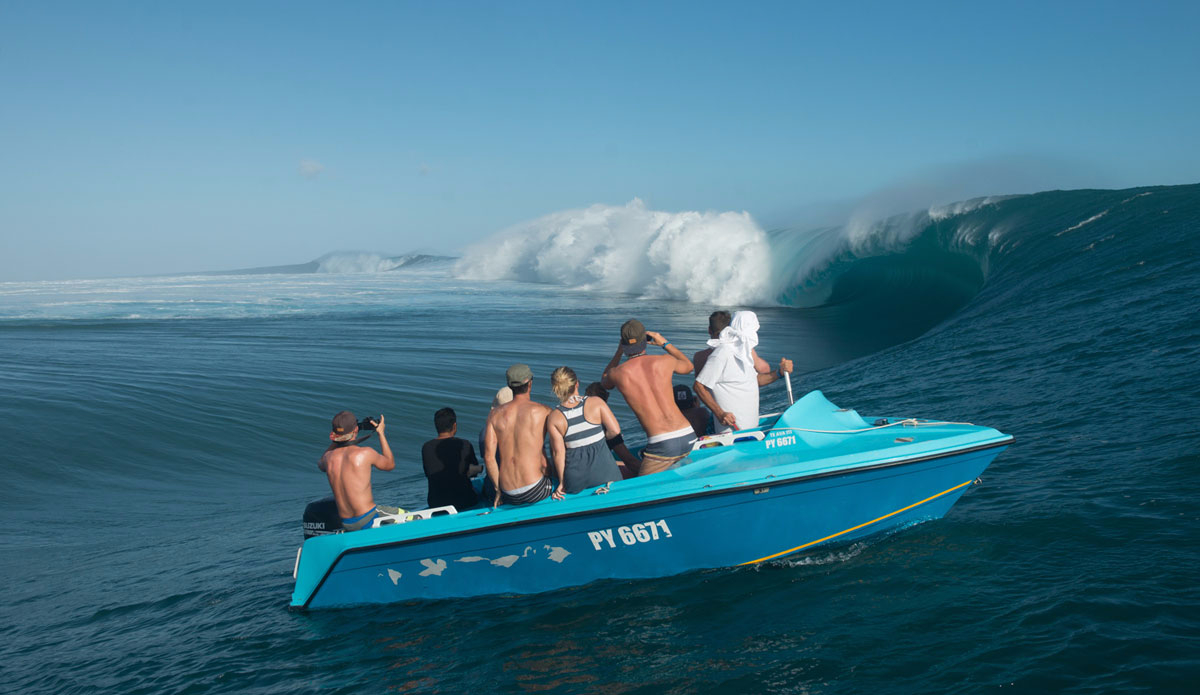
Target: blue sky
{"points": [[151, 137]]}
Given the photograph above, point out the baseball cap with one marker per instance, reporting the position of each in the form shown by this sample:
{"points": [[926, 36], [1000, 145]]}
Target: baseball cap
{"points": [[344, 423], [633, 337], [683, 396], [518, 374]]}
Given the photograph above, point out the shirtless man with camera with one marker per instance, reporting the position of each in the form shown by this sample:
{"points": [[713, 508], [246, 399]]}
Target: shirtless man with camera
{"points": [[348, 467], [645, 382]]}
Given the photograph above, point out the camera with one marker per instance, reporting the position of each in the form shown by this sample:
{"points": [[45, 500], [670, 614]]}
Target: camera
{"points": [[368, 424]]}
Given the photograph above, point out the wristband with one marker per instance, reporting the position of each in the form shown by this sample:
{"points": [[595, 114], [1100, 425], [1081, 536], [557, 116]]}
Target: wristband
{"points": [[666, 344], [614, 442]]}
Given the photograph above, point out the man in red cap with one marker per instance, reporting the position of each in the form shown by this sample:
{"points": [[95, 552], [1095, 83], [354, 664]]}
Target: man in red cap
{"points": [[645, 382], [348, 467]]}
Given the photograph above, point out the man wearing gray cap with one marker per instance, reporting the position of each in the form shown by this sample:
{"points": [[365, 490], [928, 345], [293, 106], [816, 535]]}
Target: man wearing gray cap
{"points": [[515, 434], [645, 382]]}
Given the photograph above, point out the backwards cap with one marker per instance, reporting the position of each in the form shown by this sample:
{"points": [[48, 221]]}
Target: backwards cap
{"points": [[633, 337], [344, 424]]}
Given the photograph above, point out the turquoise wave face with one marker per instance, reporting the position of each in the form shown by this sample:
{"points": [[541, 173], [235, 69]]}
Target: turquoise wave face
{"points": [[892, 280]]}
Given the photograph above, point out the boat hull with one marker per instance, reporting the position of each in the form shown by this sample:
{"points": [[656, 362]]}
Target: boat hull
{"points": [[706, 527]]}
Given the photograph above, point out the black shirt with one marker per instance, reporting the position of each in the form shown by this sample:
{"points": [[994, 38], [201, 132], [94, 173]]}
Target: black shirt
{"points": [[446, 462]]}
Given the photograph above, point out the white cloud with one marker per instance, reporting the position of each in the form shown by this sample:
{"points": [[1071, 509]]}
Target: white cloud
{"points": [[310, 168]]}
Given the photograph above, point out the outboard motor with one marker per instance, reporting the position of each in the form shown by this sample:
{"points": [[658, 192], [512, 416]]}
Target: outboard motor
{"points": [[321, 518]]}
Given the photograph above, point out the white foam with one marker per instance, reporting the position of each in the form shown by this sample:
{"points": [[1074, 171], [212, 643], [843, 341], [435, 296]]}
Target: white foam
{"points": [[1089, 220], [707, 257], [941, 212], [352, 262], [840, 555], [1139, 195]]}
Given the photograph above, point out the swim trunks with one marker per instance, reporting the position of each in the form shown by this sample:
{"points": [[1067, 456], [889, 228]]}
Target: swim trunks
{"points": [[663, 450], [364, 520], [528, 494]]}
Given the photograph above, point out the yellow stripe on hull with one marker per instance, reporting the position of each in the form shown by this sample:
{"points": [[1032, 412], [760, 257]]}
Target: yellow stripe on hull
{"points": [[855, 528]]}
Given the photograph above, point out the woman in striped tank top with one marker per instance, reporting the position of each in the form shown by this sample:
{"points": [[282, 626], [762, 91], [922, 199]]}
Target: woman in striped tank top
{"points": [[578, 429]]}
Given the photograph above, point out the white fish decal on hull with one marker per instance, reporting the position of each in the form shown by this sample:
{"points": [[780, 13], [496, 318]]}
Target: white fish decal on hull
{"points": [[435, 567]]}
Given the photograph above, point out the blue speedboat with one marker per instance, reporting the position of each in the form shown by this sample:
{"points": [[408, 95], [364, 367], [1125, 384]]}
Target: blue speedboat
{"points": [[815, 475]]}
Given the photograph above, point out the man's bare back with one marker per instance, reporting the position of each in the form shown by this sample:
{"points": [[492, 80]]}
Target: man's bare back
{"points": [[516, 431], [645, 382], [348, 468]]}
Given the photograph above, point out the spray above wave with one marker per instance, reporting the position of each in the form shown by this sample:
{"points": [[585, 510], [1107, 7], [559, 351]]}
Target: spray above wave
{"points": [[707, 257]]}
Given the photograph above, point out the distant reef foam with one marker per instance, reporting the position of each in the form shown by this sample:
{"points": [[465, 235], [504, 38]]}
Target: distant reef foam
{"points": [[344, 262]]}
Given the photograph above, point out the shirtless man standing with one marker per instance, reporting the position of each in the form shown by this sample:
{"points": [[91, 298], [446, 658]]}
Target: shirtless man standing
{"points": [[517, 432], [348, 467], [645, 382]]}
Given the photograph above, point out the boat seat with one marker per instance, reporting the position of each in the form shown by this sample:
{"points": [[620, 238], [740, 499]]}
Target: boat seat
{"points": [[728, 438], [405, 517], [765, 422]]}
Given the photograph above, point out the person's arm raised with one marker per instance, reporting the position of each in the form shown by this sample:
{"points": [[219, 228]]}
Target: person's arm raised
{"points": [[682, 364], [760, 365], [605, 380], [766, 375], [385, 461], [785, 367]]}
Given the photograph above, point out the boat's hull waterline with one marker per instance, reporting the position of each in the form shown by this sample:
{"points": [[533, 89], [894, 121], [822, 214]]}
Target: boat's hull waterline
{"points": [[796, 490]]}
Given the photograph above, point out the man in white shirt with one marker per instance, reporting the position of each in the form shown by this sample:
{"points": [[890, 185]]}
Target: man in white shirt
{"points": [[730, 372]]}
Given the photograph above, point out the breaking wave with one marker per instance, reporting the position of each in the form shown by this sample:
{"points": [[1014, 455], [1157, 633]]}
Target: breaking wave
{"points": [[711, 257], [361, 262], [719, 258], [894, 276]]}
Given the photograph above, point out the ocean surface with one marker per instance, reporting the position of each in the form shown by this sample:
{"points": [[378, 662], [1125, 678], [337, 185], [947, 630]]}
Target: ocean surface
{"points": [[162, 435]]}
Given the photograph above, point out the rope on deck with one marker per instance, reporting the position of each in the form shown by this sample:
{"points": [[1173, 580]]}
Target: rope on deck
{"points": [[910, 422]]}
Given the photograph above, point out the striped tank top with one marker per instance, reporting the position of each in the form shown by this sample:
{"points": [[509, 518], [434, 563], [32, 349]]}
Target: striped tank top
{"points": [[580, 432]]}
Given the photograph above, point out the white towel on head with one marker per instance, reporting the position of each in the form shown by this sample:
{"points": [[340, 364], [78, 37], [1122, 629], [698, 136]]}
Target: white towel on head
{"points": [[740, 336]]}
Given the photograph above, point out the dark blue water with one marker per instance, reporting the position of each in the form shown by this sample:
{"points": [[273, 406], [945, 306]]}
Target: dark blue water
{"points": [[163, 433]]}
